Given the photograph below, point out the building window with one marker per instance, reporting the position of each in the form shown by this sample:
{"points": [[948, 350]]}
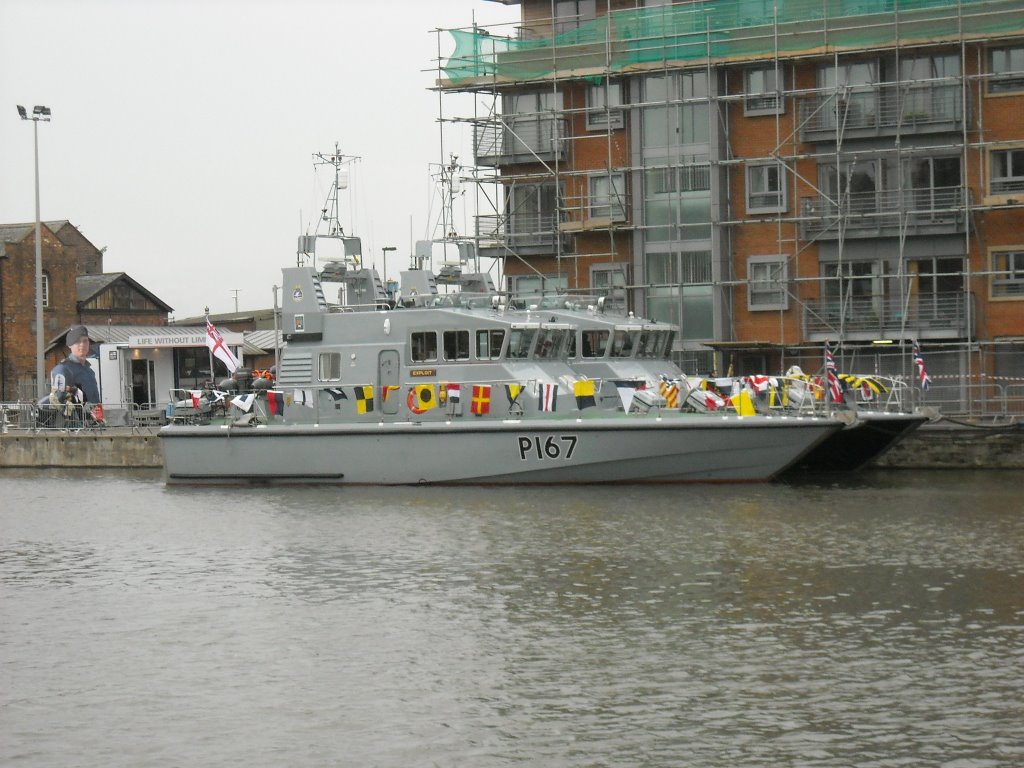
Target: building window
{"points": [[330, 366], [609, 280], [531, 217], [1007, 275], [604, 102], [677, 199], [1007, 171], [766, 191], [767, 283], [608, 196], [46, 290], [684, 117], [763, 88], [569, 14], [536, 285], [680, 292], [1006, 69]]}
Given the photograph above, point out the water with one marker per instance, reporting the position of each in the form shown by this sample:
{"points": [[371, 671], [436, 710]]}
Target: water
{"points": [[868, 621]]}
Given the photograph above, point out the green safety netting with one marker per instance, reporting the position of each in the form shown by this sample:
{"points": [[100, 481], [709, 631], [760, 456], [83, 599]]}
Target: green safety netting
{"points": [[723, 30]]}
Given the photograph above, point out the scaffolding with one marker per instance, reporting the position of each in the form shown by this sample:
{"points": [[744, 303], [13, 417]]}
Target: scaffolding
{"points": [[883, 155]]}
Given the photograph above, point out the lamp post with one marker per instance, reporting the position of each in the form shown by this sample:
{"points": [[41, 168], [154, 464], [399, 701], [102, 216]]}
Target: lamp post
{"points": [[38, 113]]}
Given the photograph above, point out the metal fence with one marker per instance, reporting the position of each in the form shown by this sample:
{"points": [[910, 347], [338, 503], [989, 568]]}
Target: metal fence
{"points": [[29, 416]]}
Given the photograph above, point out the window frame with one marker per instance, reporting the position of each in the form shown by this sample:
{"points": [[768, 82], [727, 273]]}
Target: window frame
{"points": [[615, 200], [777, 286], [604, 113], [780, 194], [998, 84], [421, 350], [332, 370], [1017, 181], [455, 345], [487, 337], [1013, 285], [764, 101]]}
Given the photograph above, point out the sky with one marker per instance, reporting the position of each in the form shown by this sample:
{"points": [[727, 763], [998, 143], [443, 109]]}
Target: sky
{"points": [[184, 131]]}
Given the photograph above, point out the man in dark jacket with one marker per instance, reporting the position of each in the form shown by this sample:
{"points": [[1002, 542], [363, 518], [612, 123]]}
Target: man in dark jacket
{"points": [[73, 380]]}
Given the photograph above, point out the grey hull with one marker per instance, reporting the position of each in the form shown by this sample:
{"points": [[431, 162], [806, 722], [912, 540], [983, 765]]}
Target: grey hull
{"points": [[683, 448]]}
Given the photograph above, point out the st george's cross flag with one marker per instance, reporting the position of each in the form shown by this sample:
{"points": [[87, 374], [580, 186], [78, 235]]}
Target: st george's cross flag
{"points": [[220, 350]]}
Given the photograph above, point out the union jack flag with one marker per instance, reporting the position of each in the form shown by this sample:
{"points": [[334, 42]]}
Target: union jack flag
{"points": [[834, 387], [922, 374]]}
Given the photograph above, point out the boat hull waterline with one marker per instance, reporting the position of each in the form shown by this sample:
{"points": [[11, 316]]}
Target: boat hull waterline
{"points": [[570, 451]]}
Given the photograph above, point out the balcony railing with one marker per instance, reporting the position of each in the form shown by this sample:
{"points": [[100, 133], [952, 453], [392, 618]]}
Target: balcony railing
{"points": [[942, 314], [881, 110], [518, 230], [1006, 186], [885, 213], [519, 139]]}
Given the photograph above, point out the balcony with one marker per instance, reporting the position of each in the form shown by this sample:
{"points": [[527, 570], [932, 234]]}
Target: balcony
{"points": [[519, 139], [883, 110], [885, 213], [528, 234], [862, 318]]}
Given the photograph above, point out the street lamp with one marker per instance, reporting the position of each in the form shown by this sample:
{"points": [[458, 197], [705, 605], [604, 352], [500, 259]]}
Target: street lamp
{"points": [[38, 113]]}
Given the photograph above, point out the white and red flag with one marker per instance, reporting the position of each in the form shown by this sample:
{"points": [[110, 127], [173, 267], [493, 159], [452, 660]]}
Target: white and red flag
{"points": [[216, 344], [922, 374]]}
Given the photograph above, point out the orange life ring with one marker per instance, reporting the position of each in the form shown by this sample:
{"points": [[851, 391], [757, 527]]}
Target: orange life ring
{"points": [[411, 399]]}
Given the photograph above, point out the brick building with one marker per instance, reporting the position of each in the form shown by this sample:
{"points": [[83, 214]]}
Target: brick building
{"points": [[75, 290], [770, 176]]}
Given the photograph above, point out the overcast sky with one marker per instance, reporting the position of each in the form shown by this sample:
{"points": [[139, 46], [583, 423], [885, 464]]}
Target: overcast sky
{"points": [[183, 131]]}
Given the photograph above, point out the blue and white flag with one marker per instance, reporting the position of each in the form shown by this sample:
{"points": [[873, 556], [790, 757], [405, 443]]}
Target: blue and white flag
{"points": [[244, 402]]}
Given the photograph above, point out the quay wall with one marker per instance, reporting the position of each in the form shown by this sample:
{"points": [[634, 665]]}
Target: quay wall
{"points": [[946, 445], [81, 449], [932, 446]]}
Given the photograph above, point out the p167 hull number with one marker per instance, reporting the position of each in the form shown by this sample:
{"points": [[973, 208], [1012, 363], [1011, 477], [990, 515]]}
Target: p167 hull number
{"points": [[551, 447]]}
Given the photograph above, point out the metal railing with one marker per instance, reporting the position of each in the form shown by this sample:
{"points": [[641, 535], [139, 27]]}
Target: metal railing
{"points": [[519, 139], [518, 230], [934, 210], [31, 417], [887, 316], [881, 109]]}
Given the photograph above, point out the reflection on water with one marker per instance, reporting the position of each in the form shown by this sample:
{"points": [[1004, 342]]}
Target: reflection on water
{"points": [[871, 621]]}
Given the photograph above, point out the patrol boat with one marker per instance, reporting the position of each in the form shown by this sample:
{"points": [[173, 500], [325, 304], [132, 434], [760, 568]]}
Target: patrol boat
{"points": [[633, 352], [455, 389]]}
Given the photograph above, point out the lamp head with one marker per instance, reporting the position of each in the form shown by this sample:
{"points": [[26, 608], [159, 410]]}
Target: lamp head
{"points": [[22, 112]]}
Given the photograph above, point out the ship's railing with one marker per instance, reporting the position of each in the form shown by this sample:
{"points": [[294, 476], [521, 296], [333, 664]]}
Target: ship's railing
{"points": [[800, 394]]}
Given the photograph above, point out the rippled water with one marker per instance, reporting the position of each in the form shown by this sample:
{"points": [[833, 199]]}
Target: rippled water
{"points": [[867, 621]]}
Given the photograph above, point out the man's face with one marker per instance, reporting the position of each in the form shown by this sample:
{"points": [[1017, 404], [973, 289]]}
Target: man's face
{"points": [[80, 348]]}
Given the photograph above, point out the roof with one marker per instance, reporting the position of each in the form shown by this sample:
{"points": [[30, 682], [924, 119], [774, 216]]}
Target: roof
{"points": [[89, 286], [120, 334], [264, 339], [249, 316], [15, 233]]}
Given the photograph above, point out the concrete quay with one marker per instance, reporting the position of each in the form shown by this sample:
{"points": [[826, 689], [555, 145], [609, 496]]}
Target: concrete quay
{"points": [[115, 447], [954, 444], [945, 444]]}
